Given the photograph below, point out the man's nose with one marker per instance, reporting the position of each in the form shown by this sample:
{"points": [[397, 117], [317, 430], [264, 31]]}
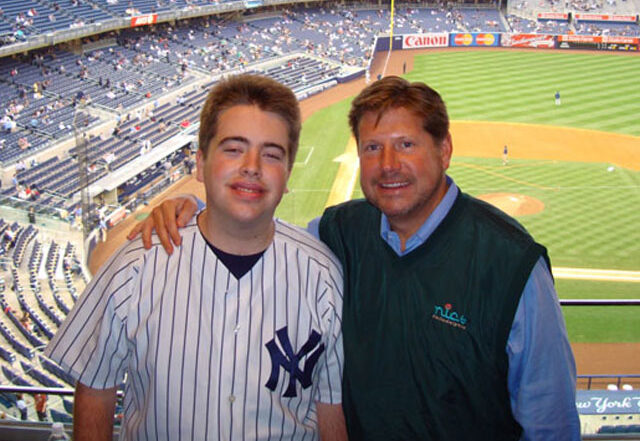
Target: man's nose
{"points": [[251, 163], [389, 158]]}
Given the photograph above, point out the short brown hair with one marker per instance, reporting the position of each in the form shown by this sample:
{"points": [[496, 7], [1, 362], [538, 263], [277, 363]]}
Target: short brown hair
{"points": [[394, 92], [247, 89]]}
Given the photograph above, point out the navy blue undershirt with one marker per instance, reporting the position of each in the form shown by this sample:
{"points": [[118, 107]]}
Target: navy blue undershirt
{"points": [[238, 265]]}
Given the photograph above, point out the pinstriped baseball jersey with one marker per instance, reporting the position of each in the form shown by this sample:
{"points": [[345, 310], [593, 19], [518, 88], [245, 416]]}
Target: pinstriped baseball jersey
{"points": [[209, 357]]}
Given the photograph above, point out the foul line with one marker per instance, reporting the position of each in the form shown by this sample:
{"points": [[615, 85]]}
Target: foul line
{"points": [[596, 274], [345, 181]]}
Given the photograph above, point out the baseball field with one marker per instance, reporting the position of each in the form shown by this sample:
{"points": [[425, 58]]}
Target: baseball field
{"points": [[572, 178]]}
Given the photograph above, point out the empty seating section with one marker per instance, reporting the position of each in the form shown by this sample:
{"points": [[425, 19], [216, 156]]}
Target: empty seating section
{"points": [[27, 308], [56, 370], [298, 73]]}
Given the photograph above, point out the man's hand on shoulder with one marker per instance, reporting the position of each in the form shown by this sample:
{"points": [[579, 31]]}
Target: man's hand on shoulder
{"points": [[166, 218]]}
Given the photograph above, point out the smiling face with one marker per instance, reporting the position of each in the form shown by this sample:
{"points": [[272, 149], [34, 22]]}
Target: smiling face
{"points": [[402, 169], [245, 169]]}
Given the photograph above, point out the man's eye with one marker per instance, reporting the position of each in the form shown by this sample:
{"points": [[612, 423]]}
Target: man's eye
{"points": [[371, 147], [406, 144], [275, 154]]}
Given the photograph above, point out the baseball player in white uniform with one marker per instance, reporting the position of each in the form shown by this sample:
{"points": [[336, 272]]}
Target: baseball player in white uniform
{"points": [[237, 335]]}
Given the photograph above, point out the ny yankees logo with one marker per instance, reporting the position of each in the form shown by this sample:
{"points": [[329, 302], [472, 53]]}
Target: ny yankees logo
{"points": [[289, 361]]}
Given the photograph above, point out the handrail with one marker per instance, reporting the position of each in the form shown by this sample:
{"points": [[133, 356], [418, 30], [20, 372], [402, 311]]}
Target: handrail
{"points": [[600, 302]]}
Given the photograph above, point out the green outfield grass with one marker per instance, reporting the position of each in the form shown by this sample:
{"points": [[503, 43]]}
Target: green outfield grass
{"points": [[598, 91], [600, 323], [591, 216]]}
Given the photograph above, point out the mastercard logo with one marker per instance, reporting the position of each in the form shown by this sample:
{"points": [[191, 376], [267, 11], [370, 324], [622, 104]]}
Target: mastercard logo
{"points": [[485, 39], [480, 39], [464, 39]]}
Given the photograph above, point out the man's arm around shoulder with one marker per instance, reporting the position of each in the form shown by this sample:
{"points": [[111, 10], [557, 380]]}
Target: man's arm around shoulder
{"points": [[93, 412], [331, 425]]}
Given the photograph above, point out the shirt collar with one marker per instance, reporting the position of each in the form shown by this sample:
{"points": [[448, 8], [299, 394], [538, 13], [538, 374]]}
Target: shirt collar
{"points": [[427, 228]]}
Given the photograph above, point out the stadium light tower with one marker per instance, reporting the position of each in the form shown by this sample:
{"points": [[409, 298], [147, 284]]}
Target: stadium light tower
{"points": [[80, 122]]}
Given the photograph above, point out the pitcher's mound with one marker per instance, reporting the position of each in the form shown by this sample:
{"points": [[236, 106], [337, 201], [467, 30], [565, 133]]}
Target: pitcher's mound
{"points": [[513, 204]]}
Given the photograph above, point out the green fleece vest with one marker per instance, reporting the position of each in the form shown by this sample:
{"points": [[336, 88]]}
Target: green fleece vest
{"points": [[425, 334]]}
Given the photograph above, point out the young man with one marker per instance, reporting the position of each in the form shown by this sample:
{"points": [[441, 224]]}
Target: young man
{"points": [[452, 327], [237, 335]]}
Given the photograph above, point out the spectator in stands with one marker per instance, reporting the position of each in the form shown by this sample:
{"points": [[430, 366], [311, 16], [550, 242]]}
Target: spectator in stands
{"points": [[22, 407], [244, 169], [41, 406], [23, 143], [8, 124], [25, 320], [430, 348], [22, 193]]}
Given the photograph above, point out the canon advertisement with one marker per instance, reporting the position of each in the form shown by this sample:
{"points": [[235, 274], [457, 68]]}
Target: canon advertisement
{"points": [[475, 39], [598, 42], [418, 41]]}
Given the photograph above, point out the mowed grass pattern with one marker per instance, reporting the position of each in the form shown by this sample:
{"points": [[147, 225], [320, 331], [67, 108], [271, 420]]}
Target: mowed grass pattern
{"points": [[591, 216], [598, 91]]}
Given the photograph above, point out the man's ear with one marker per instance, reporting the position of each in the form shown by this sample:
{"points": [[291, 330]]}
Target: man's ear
{"points": [[446, 150], [200, 166]]}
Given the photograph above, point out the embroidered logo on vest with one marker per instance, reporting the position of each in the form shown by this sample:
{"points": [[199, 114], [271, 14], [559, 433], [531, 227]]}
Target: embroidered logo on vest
{"points": [[447, 315], [288, 360]]}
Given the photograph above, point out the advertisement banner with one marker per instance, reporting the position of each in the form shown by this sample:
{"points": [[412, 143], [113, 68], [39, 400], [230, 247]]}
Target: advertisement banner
{"points": [[553, 16], [598, 39], [528, 40], [416, 41], [253, 4], [606, 17], [612, 43], [603, 402], [474, 39], [144, 20]]}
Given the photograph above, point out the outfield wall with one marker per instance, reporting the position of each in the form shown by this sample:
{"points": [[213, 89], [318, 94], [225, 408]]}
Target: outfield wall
{"points": [[517, 40]]}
